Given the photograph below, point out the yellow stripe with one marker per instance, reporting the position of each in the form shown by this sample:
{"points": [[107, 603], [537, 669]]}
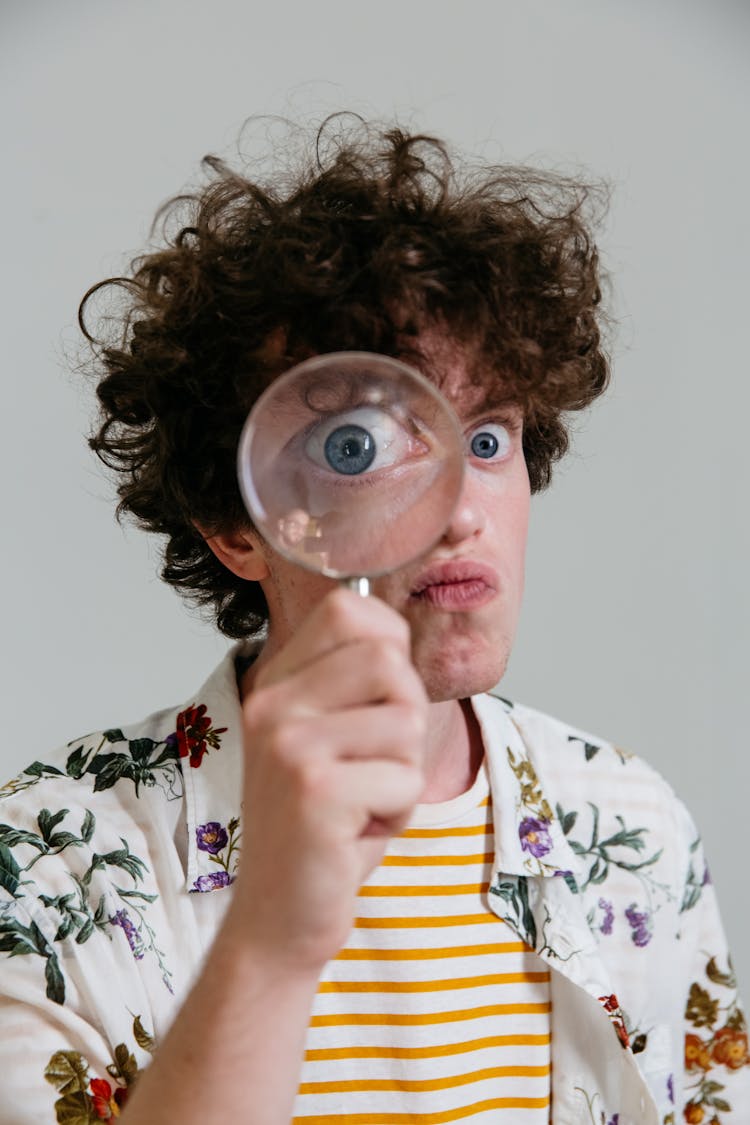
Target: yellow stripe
{"points": [[437, 1051], [417, 923], [362, 1019], [431, 985], [436, 860], [422, 890], [349, 1086], [424, 1118], [436, 833], [427, 954]]}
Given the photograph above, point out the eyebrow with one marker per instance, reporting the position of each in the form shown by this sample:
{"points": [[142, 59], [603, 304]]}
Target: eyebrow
{"points": [[507, 409]]}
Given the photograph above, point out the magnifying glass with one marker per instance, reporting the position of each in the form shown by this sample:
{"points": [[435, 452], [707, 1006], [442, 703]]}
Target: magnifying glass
{"points": [[351, 465]]}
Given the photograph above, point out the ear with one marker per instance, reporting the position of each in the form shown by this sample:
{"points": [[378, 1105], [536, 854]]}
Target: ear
{"points": [[240, 551]]}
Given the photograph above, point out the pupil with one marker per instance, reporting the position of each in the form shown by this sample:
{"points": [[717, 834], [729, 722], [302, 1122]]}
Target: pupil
{"points": [[350, 450], [484, 445]]}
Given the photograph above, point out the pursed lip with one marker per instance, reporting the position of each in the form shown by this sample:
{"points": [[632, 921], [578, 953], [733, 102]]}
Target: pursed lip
{"points": [[466, 579]]}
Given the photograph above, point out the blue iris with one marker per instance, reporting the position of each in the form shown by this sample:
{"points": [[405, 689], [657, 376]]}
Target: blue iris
{"points": [[350, 449], [484, 444]]}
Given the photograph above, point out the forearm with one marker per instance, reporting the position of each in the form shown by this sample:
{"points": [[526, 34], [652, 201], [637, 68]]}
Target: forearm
{"points": [[335, 733], [235, 1051]]}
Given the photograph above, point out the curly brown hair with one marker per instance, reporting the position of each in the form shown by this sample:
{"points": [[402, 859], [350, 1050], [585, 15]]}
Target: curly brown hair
{"points": [[378, 235]]}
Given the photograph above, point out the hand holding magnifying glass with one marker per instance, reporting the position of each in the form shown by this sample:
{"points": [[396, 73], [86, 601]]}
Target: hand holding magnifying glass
{"points": [[350, 465]]}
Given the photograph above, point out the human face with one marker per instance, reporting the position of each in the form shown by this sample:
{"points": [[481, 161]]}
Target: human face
{"points": [[462, 599]]}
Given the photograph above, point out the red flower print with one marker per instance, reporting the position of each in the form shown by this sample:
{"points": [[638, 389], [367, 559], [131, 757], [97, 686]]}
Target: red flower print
{"points": [[106, 1102], [195, 734], [697, 1056], [612, 1007], [730, 1048]]}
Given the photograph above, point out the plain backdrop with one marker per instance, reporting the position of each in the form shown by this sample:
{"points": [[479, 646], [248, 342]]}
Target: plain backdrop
{"points": [[636, 623]]}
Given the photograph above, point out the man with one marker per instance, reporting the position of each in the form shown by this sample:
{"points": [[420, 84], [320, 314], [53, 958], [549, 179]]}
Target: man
{"points": [[341, 883]]}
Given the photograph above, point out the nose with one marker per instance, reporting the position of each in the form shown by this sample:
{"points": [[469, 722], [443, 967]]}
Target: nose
{"points": [[469, 518]]}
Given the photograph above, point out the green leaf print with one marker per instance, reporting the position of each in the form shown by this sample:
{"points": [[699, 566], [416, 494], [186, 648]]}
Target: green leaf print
{"points": [[514, 891], [77, 913], [607, 852], [9, 870], [54, 978], [87, 828], [18, 940]]}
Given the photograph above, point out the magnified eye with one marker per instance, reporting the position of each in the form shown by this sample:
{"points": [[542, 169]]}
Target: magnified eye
{"points": [[350, 449], [361, 440], [490, 441]]}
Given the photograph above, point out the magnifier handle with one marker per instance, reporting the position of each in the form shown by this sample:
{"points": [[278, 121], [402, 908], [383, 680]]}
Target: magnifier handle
{"points": [[360, 586]]}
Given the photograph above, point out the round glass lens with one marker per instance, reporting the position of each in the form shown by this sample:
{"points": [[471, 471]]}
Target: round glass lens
{"points": [[351, 464]]}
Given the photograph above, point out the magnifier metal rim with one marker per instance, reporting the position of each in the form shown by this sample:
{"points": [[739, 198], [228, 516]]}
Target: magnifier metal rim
{"points": [[252, 500]]}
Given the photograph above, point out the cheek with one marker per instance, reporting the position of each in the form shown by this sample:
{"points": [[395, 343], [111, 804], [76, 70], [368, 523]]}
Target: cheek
{"points": [[291, 593], [511, 525], [518, 526]]}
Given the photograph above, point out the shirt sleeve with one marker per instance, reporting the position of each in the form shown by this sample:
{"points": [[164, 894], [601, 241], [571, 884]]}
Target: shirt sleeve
{"points": [[717, 1070]]}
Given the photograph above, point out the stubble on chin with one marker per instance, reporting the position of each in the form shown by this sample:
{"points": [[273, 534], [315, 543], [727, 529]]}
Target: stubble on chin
{"points": [[458, 672]]}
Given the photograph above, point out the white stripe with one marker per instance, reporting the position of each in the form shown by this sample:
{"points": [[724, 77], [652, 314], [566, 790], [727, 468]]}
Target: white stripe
{"points": [[472, 1011]]}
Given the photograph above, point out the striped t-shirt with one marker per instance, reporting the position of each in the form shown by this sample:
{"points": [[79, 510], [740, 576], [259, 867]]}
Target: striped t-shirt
{"points": [[434, 1010]]}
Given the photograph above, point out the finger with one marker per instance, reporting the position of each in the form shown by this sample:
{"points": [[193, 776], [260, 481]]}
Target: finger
{"points": [[378, 791], [340, 619], [365, 672], [396, 732], [364, 793]]}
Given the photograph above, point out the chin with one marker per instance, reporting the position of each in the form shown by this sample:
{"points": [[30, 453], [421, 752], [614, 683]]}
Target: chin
{"points": [[446, 679]]}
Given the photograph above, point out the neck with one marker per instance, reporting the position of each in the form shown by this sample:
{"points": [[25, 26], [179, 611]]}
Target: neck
{"points": [[454, 745], [454, 750]]}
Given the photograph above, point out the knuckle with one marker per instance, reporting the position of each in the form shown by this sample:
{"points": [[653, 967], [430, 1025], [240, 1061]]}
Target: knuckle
{"points": [[263, 707], [411, 785], [385, 658], [286, 754], [414, 725], [283, 743], [338, 610], [391, 674], [255, 710], [268, 732], [311, 779]]}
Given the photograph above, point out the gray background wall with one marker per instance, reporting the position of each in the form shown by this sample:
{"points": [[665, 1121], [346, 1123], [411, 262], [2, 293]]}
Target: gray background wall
{"points": [[636, 623]]}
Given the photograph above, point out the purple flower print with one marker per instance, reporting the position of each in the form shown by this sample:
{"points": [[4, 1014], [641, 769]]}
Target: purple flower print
{"points": [[569, 878], [609, 916], [211, 837], [122, 919], [535, 837], [210, 882], [670, 1088], [640, 925], [614, 1120]]}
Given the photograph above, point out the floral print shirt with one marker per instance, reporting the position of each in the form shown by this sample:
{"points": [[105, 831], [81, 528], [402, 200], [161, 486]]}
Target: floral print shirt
{"points": [[118, 852]]}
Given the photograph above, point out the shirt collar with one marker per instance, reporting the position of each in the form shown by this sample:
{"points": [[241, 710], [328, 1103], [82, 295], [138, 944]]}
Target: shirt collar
{"points": [[528, 837], [209, 734]]}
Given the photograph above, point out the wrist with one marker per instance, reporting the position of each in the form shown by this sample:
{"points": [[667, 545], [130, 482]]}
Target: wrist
{"points": [[249, 950]]}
